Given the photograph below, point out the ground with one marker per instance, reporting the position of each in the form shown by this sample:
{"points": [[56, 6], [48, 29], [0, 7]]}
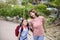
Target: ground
{"points": [[7, 32]]}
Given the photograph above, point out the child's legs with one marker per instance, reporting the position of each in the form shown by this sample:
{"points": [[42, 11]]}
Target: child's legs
{"points": [[41, 38]]}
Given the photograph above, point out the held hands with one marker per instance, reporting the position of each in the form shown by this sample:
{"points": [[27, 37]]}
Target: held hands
{"points": [[45, 31]]}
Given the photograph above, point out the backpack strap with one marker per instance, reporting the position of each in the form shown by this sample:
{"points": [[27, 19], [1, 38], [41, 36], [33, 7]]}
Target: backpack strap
{"points": [[21, 29]]}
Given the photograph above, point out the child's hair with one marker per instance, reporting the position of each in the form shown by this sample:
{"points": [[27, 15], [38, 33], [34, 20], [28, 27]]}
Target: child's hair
{"points": [[22, 22]]}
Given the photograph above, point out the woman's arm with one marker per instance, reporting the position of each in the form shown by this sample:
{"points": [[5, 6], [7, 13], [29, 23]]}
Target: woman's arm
{"points": [[44, 25]]}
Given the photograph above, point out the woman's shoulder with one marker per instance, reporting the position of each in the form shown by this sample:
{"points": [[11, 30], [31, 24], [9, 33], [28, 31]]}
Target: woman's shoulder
{"points": [[40, 17], [30, 20]]}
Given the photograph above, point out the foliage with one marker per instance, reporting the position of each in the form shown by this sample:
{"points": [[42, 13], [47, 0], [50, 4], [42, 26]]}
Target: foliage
{"points": [[57, 2], [51, 20], [11, 2], [25, 2], [12, 11], [30, 1], [28, 7], [50, 0], [15, 10], [42, 8]]}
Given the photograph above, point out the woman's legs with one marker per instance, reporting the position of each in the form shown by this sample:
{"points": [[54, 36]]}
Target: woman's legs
{"points": [[35, 37], [41, 38], [38, 37]]}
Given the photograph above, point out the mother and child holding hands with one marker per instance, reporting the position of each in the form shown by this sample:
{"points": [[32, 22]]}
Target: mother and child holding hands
{"points": [[35, 25]]}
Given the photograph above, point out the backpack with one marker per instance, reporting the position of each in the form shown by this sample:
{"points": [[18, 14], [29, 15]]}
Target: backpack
{"points": [[17, 28]]}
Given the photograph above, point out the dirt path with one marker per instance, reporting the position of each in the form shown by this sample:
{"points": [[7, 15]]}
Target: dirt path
{"points": [[7, 30]]}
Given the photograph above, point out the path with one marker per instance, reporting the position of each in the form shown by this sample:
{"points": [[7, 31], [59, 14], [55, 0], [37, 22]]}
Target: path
{"points": [[7, 30]]}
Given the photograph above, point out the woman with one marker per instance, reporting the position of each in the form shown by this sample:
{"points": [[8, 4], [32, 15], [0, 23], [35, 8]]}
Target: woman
{"points": [[23, 30], [37, 25]]}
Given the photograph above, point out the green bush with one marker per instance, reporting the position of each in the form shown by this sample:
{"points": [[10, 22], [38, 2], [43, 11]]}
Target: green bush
{"points": [[2, 12], [25, 2], [12, 11], [22, 11], [18, 10], [51, 20], [30, 1], [42, 8], [28, 7]]}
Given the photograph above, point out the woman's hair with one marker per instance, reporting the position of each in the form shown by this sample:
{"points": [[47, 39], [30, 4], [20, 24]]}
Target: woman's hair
{"points": [[22, 22], [33, 11]]}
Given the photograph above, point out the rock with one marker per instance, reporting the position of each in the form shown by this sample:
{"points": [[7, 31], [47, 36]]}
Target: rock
{"points": [[9, 18]]}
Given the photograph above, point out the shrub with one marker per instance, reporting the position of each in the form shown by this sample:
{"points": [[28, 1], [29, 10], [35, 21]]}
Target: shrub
{"points": [[12, 11], [42, 8], [51, 20], [28, 7], [22, 11], [18, 10]]}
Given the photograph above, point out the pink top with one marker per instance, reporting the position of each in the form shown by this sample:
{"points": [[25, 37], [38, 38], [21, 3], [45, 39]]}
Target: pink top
{"points": [[38, 26]]}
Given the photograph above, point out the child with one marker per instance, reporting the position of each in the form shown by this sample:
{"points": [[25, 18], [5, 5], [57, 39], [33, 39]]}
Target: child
{"points": [[23, 30]]}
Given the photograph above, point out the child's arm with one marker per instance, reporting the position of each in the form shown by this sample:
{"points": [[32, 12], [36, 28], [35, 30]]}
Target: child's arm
{"points": [[30, 27], [18, 35]]}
